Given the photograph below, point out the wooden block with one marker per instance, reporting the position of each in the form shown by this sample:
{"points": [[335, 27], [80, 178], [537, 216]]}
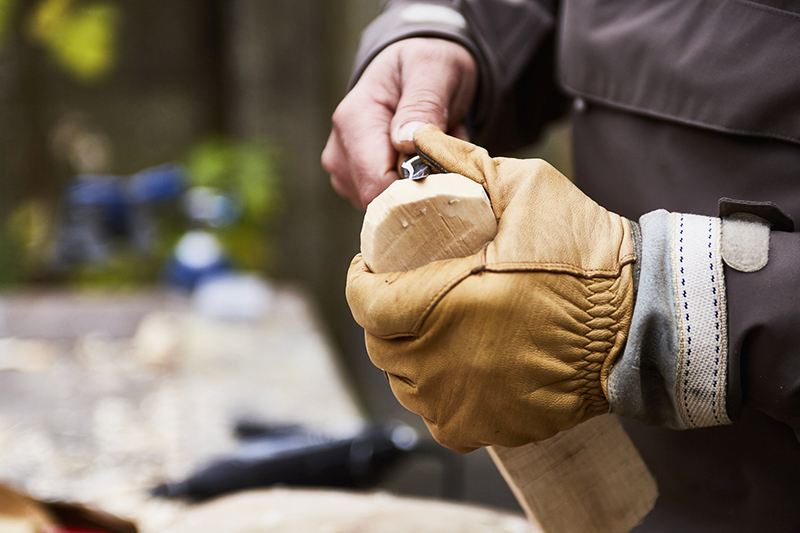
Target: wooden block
{"points": [[413, 223], [588, 479]]}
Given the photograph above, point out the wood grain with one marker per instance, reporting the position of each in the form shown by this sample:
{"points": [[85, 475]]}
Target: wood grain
{"points": [[590, 479]]}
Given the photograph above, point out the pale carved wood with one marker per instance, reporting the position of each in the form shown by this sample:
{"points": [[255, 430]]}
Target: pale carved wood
{"points": [[413, 223]]}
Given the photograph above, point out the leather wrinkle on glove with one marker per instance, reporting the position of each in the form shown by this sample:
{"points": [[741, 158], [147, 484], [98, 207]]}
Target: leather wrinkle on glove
{"points": [[514, 343]]}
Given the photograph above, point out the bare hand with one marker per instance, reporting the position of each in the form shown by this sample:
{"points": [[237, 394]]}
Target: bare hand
{"points": [[411, 83]]}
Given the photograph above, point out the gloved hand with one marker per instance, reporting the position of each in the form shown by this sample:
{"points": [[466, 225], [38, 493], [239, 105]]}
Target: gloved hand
{"points": [[515, 343]]}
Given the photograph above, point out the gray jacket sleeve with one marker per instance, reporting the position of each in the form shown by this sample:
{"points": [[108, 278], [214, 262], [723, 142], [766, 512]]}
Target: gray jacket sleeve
{"points": [[764, 333], [513, 44]]}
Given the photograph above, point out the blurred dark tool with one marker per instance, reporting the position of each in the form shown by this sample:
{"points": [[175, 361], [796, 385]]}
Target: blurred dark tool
{"points": [[295, 457], [76, 518], [99, 209]]}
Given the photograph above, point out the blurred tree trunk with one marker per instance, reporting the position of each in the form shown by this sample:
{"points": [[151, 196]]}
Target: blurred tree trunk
{"points": [[26, 87], [247, 68], [290, 63]]}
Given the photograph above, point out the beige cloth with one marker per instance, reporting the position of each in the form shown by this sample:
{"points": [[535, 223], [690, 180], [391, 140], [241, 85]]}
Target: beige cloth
{"points": [[282, 510]]}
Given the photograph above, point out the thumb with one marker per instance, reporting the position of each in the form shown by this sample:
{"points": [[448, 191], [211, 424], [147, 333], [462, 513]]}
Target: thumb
{"points": [[437, 80], [403, 136], [421, 102]]}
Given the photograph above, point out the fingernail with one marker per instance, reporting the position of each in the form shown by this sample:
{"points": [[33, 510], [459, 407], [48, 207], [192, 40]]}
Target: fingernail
{"points": [[406, 131]]}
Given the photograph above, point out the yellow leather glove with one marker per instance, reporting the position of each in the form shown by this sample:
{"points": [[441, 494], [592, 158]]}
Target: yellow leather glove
{"points": [[515, 343]]}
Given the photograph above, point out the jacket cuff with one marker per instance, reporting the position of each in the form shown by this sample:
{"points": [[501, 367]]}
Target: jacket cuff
{"points": [[404, 20], [502, 36], [673, 371]]}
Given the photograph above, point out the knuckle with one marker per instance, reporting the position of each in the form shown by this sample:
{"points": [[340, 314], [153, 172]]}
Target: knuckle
{"points": [[327, 160], [341, 114], [341, 185], [429, 52], [424, 101], [347, 109]]}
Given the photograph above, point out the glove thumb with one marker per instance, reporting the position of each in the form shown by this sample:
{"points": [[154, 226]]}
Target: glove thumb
{"points": [[449, 154]]}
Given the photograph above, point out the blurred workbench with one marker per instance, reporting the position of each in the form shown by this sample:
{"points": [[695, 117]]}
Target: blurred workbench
{"points": [[103, 396]]}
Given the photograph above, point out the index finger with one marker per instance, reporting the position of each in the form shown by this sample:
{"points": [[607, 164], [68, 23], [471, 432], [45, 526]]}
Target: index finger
{"points": [[366, 158]]}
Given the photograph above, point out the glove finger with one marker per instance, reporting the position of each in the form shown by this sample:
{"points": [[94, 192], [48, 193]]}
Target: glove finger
{"points": [[395, 304], [449, 154]]}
